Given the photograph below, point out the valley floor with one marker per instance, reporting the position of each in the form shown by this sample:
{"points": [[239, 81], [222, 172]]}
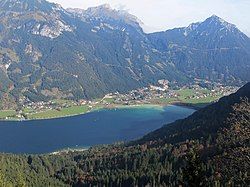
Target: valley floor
{"points": [[191, 97]]}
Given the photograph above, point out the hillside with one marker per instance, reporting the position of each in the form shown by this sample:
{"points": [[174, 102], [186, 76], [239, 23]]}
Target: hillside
{"points": [[213, 49], [49, 52], [214, 156], [203, 123]]}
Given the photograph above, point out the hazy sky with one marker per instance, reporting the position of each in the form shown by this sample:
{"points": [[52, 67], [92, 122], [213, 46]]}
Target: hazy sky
{"points": [[160, 15]]}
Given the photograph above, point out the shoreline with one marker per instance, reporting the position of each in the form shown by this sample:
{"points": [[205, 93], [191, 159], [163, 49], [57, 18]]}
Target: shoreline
{"points": [[68, 150], [153, 105], [189, 105], [55, 152]]}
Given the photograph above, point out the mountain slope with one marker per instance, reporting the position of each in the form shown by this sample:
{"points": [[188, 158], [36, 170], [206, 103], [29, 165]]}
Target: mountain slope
{"points": [[25, 5], [214, 50], [50, 52], [221, 131]]}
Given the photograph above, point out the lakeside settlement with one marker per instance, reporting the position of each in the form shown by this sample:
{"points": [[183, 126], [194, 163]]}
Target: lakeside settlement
{"points": [[160, 94]]}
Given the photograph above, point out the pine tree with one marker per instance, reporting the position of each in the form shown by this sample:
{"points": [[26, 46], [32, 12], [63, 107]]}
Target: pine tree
{"points": [[193, 174]]}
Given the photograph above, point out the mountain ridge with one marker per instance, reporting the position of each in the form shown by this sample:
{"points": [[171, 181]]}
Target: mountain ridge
{"points": [[26, 5], [74, 54], [212, 49]]}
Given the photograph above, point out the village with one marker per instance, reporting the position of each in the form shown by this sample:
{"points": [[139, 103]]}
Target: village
{"points": [[163, 94], [158, 94]]}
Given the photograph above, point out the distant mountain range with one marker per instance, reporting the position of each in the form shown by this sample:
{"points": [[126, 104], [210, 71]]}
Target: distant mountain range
{"points": [[49, 52]]}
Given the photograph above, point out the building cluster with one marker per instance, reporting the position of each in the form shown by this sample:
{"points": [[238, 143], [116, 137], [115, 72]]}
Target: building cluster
{"points": [[146, 95]]}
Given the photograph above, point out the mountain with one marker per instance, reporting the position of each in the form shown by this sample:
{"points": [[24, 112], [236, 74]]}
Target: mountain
{"points": [[214, 50], [105, 13], [209, 148], [49, 52], [25, 5]]}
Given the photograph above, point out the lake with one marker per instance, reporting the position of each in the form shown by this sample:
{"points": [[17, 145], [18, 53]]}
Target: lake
{"points": [[105, 126]]}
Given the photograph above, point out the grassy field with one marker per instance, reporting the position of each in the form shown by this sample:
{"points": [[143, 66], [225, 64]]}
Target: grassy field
{"points": [[208, 99], [7, 113], [185, 93], [109, 100], [73, 110], [62, 101], [184, 96]]}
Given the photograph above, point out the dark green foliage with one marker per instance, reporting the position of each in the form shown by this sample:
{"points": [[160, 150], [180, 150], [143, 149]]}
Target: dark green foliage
{"points": [[193, 174], [233, 144]]}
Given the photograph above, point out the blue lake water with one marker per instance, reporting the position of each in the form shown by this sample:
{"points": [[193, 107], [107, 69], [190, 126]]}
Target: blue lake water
{"points": [[99, 127]]}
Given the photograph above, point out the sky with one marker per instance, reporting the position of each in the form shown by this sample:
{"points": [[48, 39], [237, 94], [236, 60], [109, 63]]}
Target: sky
{"points": [[159, 15]]}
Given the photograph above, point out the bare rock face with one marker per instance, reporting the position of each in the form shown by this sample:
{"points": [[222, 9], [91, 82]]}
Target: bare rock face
{"points": [[51, 31], [35, 54], [105, 12], [38, 16]]}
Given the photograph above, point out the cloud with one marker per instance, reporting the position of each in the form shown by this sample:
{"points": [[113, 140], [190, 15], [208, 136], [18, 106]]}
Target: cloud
{"points": [[121, 7]]}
